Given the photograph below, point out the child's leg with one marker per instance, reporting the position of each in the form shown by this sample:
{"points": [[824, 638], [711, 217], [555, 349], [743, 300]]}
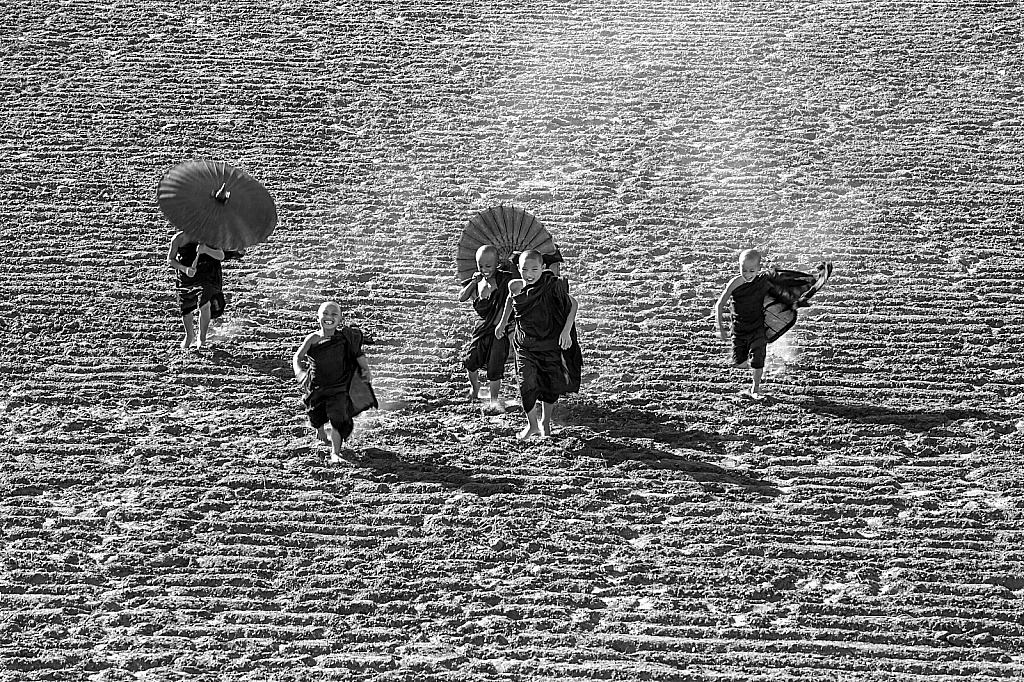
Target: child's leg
{"points": [[533, 428], [474, 384], [190, 332], [494, 405], [758, 353], [547, 410], [497, 357], [755, 388], [740, 352], [204, 323], [339, 413], [318, 419], [321, 435], [336, 443]]}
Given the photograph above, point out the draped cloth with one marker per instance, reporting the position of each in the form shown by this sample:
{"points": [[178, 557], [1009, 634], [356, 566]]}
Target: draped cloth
{"points": [[206, 286], [333, 389], [545, 370], [489, 309], [484, 349], [787, 291]]}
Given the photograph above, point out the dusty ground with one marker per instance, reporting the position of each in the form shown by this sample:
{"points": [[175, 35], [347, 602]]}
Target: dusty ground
{"points": [[166, 515]]}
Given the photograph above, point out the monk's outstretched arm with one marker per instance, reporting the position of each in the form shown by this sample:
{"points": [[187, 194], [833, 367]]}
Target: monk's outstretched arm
{"points": [[364, 369], [720, 306], [565, 338], [470, 288], [499, 329], [179, 240], [300, 355]]}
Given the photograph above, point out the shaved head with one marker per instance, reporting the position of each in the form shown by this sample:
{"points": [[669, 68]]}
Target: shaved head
{"points": [[752, 255], [328, 304], [531, 255]]}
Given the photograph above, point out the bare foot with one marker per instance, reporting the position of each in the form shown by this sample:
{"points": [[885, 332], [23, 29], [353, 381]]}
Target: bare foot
{"points": [[493, 408], [743, 365], [472, 393], [750, 394], [339, 456], [187, 342], [527, 432], [322, 436]]}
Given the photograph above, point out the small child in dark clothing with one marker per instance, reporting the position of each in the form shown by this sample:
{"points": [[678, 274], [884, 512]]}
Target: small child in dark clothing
{"points": [[488, 290], [548, 357], [757, 296], [199, 284], [336, 385]]}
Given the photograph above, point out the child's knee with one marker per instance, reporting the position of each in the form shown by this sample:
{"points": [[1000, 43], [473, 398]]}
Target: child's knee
{"points": [[342, 428]]}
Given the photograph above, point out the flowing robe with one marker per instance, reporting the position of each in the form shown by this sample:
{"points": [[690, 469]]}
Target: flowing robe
{"points": [[333, 389], [545, 370]]}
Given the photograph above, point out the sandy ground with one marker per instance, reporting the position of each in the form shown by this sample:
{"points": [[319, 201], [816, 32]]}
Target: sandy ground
{"points": [[166, 514]]}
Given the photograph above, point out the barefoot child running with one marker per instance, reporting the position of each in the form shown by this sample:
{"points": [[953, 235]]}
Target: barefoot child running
{"points": [[336, 382], [548, 357], [488, 290], [763, 309], [199, 284]]}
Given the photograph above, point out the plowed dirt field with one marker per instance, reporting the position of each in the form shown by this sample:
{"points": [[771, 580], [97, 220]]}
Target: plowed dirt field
{"points": [[167, 516]]}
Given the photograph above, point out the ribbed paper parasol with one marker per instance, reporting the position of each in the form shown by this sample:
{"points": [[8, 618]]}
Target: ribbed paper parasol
{"points": [[217, 204], [507, 229]]}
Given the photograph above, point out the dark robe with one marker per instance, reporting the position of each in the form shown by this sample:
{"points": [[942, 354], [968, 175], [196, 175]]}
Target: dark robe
{"points": [[333, 389], [206, 286], [484, 349], [771, 300], [748, 304], [545, 370]]}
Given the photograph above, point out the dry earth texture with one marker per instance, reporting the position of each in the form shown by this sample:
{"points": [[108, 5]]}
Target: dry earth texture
{"points": [[166, 514]]}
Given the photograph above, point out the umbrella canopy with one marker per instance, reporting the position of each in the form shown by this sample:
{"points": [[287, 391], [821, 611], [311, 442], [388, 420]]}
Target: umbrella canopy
{"points": [[217, 204], [506, 228]]}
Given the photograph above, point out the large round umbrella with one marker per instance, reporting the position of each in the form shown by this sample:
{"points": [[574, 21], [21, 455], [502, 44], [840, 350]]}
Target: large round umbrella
{"points": [[506, 228], [217, 204]]}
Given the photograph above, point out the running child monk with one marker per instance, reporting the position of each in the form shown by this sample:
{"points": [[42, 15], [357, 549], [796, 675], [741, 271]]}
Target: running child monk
{"points": [[763, 309], [548, 357], [488, 289], [199, 284], [336, 382]]}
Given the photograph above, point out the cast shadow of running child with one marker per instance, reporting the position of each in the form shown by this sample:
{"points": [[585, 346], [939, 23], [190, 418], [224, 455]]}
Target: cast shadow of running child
{"points": [[390, 467], [613, 435], [910, 419]]}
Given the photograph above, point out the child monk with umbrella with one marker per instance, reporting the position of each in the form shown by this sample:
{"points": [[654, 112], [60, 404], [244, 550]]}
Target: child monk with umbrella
{"points": [[200, 284], [219, 210]]}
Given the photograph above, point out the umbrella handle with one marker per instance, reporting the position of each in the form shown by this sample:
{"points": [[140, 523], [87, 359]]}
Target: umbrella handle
{"points": [[222, 194]]}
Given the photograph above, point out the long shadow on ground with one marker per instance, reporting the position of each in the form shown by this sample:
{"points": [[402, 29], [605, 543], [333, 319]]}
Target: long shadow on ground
{"points": [[628, 421], [620, 424], [706, 474], [389, 467], [910, 419]]}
